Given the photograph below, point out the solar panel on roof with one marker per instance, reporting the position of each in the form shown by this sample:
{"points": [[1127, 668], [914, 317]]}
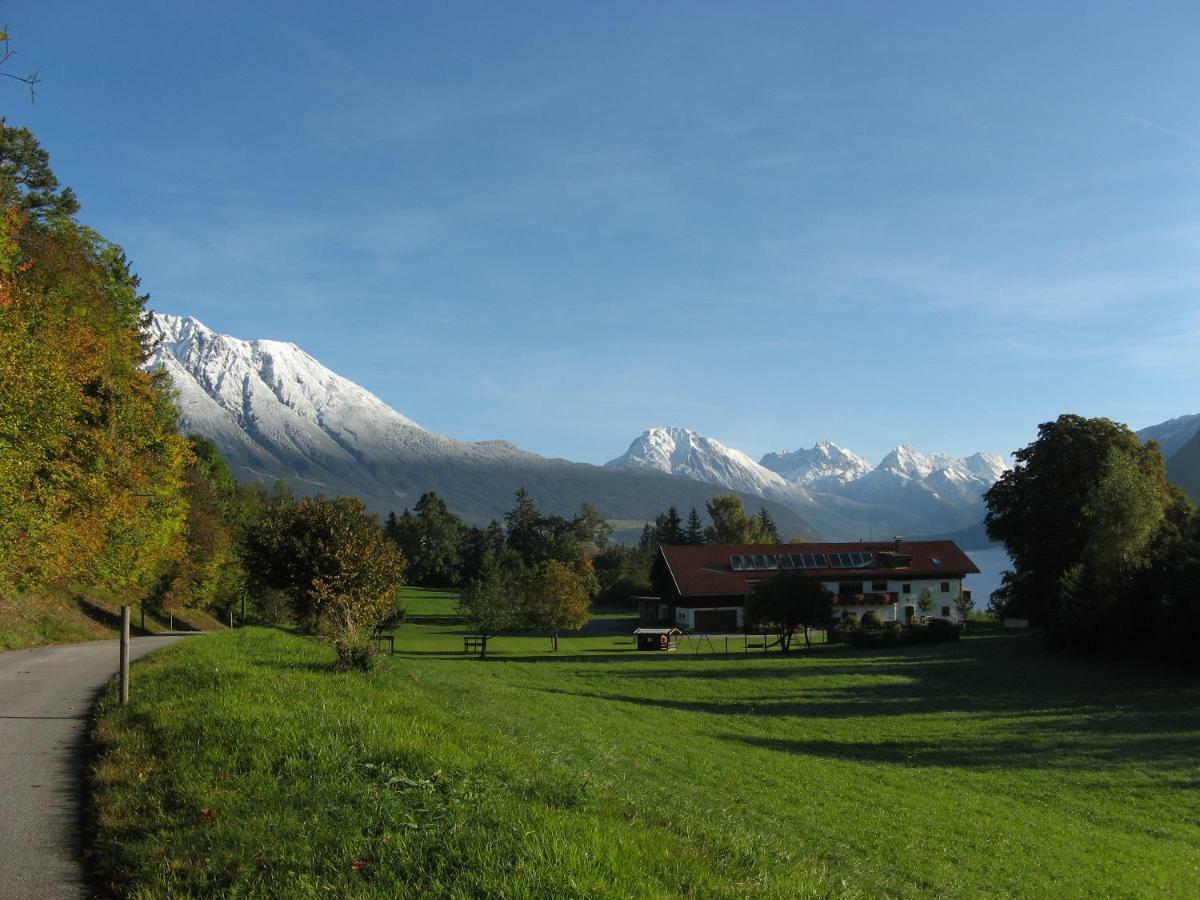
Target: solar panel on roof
{"points": [[785, 561], [772, 561], [735, 563], [760, 561]]}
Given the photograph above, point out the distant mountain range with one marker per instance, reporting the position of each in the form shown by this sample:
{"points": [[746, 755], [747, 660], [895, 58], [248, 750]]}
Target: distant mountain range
{"points": [[275, 412], [836, 490]]}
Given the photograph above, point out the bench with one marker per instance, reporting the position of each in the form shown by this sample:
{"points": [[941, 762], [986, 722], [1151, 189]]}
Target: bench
{"points": [[473, 643], [379, 637]]}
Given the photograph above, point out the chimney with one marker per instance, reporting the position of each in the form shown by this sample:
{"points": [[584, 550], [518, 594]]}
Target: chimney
{"points": [[899, 544]]}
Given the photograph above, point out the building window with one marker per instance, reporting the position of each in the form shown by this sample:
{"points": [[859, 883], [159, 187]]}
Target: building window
{"points": [[879, 587], [945, 612], [906, 588], [945, 587], [850, 588]]}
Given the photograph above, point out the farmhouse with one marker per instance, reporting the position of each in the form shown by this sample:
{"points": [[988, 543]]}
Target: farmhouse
{"points": [[704, 588]]}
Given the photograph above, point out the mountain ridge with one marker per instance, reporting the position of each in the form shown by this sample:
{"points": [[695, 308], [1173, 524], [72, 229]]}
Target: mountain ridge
{"points": [[838, 491], [276, 412]]}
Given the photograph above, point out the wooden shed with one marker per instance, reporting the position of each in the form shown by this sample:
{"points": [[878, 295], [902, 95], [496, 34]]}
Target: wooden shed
{"points": [[656, 638]]}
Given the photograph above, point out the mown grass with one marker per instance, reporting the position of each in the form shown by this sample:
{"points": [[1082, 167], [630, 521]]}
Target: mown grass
{"points": [[245, 767]]}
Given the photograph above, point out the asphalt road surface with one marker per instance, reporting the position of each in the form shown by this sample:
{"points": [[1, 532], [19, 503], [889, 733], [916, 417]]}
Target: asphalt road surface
{"points": [[46, 696]]}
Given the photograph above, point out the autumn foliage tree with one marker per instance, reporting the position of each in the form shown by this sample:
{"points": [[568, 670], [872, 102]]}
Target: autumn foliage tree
{"points": [[92, 470], [333, 562], [556, 598]]}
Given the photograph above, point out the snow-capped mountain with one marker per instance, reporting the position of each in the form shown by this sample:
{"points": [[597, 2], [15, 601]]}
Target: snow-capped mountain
{"points": [[841, 493], [681, 451], [276, 412], [825, 464]]}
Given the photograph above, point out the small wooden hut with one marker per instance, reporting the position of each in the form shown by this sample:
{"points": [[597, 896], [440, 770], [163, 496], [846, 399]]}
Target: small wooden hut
{"points": [[656, 638]]}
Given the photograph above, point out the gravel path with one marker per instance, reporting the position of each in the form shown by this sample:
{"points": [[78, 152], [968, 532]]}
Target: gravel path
{"points": [[46, 696]]}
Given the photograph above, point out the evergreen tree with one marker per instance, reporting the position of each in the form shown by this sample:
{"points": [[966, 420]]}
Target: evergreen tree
{"points": [[648, 543], [669, 528], [523, 523], [592, 527], [767, 525], [694, 534]]}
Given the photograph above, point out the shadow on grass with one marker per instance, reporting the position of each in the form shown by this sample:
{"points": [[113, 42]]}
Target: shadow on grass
{"points": [[1062, 743], [110, 619]]}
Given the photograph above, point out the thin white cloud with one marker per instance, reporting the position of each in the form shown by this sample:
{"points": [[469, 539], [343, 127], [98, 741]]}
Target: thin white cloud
{"points": [[1163, 129]]}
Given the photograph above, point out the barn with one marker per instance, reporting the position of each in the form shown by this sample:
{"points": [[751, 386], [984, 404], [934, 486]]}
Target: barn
{"points": [[703, 588]]}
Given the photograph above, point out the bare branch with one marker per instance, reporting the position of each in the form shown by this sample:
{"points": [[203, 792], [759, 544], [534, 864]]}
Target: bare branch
{"points": [[32, 80]]}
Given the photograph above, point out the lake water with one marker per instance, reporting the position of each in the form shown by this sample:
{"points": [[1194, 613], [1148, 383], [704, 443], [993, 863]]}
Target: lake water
{"points": [[992, 563]]}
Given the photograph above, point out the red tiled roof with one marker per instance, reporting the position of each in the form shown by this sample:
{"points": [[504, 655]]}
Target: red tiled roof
{"points": [[706, 570]]}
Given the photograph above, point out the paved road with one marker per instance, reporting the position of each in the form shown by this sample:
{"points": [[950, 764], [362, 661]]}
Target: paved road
{"points": [[45, 698]]}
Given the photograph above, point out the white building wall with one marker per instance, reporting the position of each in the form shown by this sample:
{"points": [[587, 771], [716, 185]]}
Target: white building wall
{"points": [[943, 601]]}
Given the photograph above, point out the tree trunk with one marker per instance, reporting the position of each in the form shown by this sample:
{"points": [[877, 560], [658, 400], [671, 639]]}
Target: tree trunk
{"points": [[556, 641], [807, 642], [483, 647]]}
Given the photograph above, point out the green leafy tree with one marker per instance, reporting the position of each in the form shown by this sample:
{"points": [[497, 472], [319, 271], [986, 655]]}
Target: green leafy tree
{"points": [[694, 532], [925, 601], [1087, 491], [964, 603], [787, 603], [493, 604], [338, 570], [555, 597], [728, 515], [431, 539]]}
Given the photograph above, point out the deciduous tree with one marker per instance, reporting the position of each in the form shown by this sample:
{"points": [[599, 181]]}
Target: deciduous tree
{"points": [[333, 562], [555, 598], [790, 602]]}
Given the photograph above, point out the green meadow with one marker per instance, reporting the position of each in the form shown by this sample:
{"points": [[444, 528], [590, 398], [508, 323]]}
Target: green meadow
{"points": [[991, 767]]}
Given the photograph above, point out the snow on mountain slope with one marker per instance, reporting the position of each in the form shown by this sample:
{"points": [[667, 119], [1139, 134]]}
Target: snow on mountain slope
{"points": [[285, 403], [834, 488], [276, 412], [825, 465], [1173, 434], [681, 451]]}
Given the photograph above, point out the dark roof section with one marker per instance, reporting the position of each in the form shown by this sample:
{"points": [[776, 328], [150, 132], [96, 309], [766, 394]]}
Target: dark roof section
{"points": [[706, 571]]}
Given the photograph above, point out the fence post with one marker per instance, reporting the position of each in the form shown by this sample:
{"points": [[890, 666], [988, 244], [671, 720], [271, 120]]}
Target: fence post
{"points": [[124, 655], [171, 627], [231, 617]]}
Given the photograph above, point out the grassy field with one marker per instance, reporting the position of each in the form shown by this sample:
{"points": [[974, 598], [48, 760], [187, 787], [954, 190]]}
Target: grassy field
{"points": [[989, 767]]}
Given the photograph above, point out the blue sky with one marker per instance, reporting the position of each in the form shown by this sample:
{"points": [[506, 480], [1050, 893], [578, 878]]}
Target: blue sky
{"points": [[560, 223]]}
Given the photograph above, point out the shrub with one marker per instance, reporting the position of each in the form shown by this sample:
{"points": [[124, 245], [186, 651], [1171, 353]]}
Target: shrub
{"points": [[870, 619], [943, 630], [354, 656], [889, 634], [915, 633]]}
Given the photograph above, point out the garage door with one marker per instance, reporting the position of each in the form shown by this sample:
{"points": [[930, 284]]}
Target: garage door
{"points": [[716, 620]]}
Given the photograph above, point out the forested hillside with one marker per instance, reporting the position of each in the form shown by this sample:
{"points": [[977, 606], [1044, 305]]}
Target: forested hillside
{"points": [[100, 497]]}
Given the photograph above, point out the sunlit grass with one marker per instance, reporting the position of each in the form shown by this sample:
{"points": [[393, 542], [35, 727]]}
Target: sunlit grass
{"points": [[988, 767]]}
